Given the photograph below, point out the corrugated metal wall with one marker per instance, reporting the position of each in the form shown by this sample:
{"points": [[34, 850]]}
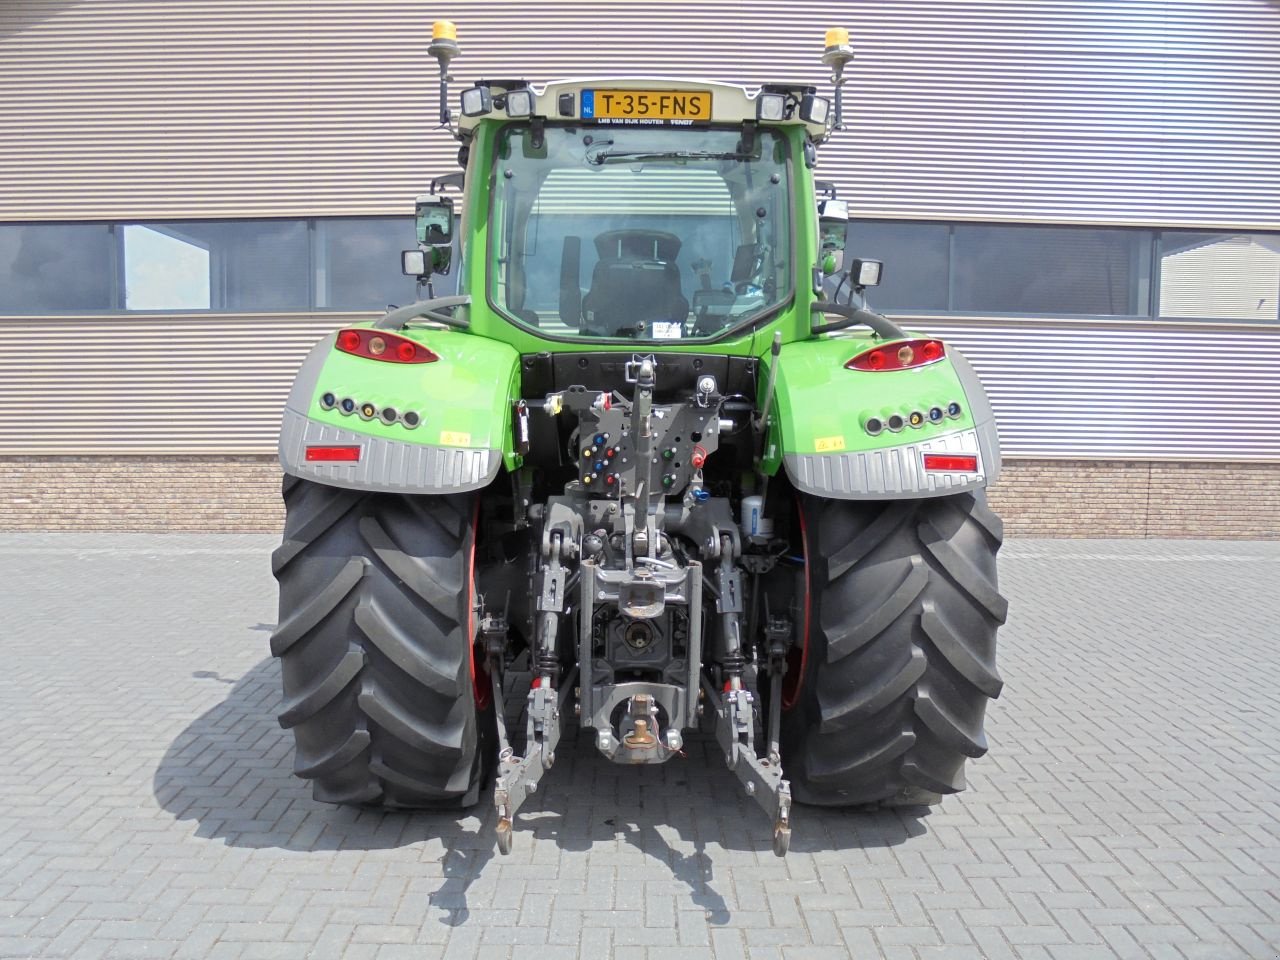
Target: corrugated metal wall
{"points": [[1164, 112], [1110, 111], [1092, 389], [1075, 390], [190, 383]]}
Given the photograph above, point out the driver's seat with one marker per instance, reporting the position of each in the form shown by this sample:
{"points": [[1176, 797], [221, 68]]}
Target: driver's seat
{"points": [[634, 283]]}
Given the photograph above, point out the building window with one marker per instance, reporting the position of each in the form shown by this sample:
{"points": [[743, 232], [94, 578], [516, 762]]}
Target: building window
{"points": [[916, 263], [241, 266], [164, 269], [357, 263], [1008, 269], [1050, 270], [56, 267], [233, 265], [1232, 276], [353, 264]]}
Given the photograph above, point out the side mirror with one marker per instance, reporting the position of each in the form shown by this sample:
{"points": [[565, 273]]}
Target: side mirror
{"points": [[441, 258], [833, 222], [434, 218]]}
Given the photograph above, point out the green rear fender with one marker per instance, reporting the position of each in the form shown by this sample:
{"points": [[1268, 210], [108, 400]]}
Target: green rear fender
{"points": [[823, 424], [438, 427]]}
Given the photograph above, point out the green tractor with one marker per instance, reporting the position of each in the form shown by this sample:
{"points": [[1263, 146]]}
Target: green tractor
{"points": [[657, 446]]}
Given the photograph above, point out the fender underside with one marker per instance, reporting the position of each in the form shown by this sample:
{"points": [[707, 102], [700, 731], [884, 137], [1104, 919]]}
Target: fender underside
{"points": [[387, 466]]}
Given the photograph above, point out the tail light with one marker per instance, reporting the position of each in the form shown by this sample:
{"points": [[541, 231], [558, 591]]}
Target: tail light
{"points": [[899, 355], [951, 462], [380, 345]]}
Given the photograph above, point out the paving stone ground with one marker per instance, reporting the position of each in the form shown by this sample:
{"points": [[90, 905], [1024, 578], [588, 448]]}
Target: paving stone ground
{"points": [[1127, 807]]}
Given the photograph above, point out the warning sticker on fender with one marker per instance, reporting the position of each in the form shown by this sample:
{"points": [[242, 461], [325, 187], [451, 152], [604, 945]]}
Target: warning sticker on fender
{"points": [[828, 444]]}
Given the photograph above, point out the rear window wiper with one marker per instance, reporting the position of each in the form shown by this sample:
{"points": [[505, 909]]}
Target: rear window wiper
{"points": [[606, 156]]}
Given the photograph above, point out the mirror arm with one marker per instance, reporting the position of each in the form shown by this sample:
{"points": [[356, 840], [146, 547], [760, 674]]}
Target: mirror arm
{"points": [[854, 316], [438, 184], [425, 310]]}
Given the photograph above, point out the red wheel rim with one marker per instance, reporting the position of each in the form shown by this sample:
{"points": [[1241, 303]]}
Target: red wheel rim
{"points": [[797, 660], [481, 684]]}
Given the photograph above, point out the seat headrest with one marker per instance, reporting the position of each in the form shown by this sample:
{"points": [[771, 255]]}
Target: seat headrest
{"points": [[637, 245]]}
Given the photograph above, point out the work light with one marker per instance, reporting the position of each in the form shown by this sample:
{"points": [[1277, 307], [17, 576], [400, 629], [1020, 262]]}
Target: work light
{"points": [[866, 273], [520, 103], [814, 109], [771, 106], [476, 102]]}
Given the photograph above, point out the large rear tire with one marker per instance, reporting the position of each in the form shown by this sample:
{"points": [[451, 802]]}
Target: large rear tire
{"points": [[892, 685], [375, 642]]}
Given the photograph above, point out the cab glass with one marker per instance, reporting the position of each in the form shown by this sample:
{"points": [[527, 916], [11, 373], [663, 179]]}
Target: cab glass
{"points": [[641, 233]]}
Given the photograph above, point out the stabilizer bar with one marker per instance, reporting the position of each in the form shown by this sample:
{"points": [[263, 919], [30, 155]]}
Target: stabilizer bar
{"points": [[760, 777], [518, 776]]}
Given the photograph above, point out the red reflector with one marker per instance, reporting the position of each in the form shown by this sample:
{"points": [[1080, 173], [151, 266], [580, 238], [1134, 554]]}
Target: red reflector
{"points": [[389, 347], [954, 462], [333, 454], [900, 355]]}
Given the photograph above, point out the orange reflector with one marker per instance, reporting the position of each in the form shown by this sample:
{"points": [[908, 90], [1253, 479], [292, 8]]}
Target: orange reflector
{"points": [[953, 462], [333, 454]]}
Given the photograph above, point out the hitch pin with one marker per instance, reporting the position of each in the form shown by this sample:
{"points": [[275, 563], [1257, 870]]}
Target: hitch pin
{"points": [[656, 562]]}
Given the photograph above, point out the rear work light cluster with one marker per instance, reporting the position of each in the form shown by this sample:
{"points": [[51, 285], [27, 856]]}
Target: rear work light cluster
{"points": [[916, 419], [348, 406], [380, 345], [899, 355]]}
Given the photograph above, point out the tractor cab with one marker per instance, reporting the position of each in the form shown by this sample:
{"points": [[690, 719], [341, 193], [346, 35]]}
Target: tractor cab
{"points": [[639, 210]]}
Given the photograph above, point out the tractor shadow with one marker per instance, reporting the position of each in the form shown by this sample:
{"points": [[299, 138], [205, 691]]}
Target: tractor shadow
{"points": [[230, 772]]}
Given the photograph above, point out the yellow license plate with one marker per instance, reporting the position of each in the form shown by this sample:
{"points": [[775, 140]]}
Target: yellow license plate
{"points": [[693, 105]]}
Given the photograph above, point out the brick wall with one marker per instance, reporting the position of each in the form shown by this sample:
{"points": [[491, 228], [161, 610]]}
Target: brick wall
{"points": [[1090, 498], [145, 494], [1037, 498]]}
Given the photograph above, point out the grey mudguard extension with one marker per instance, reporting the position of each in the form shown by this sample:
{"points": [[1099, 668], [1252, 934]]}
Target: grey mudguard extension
{"points": [[897, 473], [386, 466]]}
